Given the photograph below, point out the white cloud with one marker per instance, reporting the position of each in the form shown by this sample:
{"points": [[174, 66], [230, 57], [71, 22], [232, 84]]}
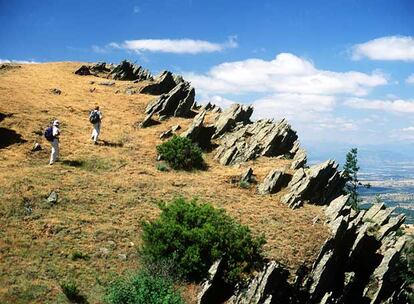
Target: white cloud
{"points": [[177, 46], [386, 48], [286, 73], [216, 100], [410, 79], [136, 9], [396, 106], [408, 129], [18, 61]]}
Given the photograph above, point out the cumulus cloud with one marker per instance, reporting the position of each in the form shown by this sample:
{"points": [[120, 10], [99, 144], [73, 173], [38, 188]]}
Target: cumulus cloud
{"points": [[286, 73], [396, 106], [177, 46], [386, 48], [410, 79], [17, 61]]}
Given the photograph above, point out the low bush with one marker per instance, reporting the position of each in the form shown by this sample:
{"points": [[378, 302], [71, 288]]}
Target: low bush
{"points": [[181, 154], [141, 288], [193, 236], [72, 293], [162, 167]]}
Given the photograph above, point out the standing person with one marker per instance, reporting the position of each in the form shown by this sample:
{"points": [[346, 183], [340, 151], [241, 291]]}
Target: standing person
{"points": [[95, 117], [52, 135]]}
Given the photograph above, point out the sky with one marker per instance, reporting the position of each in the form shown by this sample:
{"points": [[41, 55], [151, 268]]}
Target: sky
{"points": [[341, 72]]}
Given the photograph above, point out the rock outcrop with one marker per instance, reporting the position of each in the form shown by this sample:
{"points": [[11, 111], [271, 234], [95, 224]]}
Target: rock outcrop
{"points": [[358, 263], [83, 71], [164, 83], [129, 71], [100, 67], [228, 119], [318, 185], [273, 182], [198, 133], [261, 138], [178, 102]]}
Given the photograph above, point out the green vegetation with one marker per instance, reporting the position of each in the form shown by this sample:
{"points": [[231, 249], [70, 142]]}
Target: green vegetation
{"points": [[141, 288], [243, 184], [162, 167], [72, 293], [90, 164], [192, 236], [350, 172], [181, 154], [77, 255]]}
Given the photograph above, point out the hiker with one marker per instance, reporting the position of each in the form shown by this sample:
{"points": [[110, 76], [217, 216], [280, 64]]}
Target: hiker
{"points": [[95, 117], [52, 135]]}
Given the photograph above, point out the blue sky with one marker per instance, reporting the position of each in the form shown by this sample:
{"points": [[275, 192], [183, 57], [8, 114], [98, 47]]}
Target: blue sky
{"points": [[342, 72]]}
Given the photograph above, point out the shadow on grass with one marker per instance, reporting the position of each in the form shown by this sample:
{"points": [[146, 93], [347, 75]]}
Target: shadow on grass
{"points": [[112, 144], [91, 164], [10, 137], [73, 163]]}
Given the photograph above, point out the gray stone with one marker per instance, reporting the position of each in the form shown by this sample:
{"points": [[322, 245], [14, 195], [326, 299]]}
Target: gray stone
{"points": [[272, 183], [209, 285], [36, 147], [228, 119], [122, 256], [318, 185], [299, 160], [175, 128], [336, 206], [261, 138], [198, 133], [56, 91], [178, 102], [107, 83], [52, 198], [83, 71], [163, 84], [100, 67], [148, 121], [247, 176], [166, 134], [129, 71]]}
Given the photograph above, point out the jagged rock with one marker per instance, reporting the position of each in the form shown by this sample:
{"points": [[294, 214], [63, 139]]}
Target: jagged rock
{"points": [[100, 67], [261, 138], [378, 288], [228, 119], [177, 102], [52, 198], [166, 134], [107, 83], [272, 183], [175, 128], [148, 121], [209, 286], [163, 84], [163, 117], [129, 71], [317, 185], [247, 176], [268, 286], [336, 206], [55, 91], [299, 160], [198, 133], [83, 71], [356, 263], [36, 147]]}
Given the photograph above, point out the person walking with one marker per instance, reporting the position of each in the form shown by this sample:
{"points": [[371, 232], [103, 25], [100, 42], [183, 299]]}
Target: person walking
{"points": [[52, 135], [95, 118]]}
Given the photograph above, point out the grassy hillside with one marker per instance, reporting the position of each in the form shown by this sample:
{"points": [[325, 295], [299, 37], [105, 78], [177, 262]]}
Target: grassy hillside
{"points": [[106, 191]]}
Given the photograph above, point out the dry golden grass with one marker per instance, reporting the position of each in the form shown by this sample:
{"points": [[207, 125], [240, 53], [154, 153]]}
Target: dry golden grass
{"points": [[104, 208]]}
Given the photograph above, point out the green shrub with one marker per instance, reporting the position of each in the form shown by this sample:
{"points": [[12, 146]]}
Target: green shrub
{"points": [[181, 153], [243, 184], [77, 255], [143, 288], [193, 236], [162, 167], [71, 291]]}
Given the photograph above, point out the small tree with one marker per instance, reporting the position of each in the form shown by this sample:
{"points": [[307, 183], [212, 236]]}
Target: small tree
{"points": [[352, 184]]}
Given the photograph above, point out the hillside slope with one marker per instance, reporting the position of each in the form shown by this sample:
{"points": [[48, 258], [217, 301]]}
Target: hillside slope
{"points": [[106, 191]]}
